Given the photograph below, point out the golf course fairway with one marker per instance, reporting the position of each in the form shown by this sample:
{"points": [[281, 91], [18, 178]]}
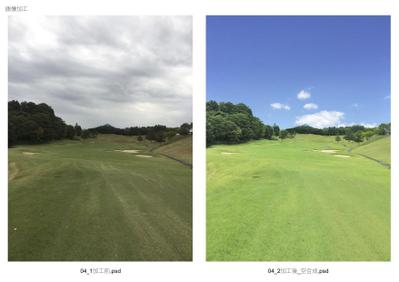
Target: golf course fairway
{"points": [[102, 199], [303, 199]]}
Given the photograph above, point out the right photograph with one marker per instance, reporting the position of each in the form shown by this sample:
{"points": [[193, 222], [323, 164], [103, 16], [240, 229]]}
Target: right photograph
{"points": [[298, 133]]}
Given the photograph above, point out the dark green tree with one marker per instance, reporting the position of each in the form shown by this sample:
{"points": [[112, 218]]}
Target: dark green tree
{"points": [[283, 134], [276, 130], [85, 134], [258, 128], [384, 129], [358, 137], [212, 106], [226, 107], [70, 132], [170, 134], [268, 132], [78, 129], [33, 123], [184, 129], [12, 134]]}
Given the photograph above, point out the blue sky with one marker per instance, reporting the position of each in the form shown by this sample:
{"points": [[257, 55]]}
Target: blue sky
{"points": [[322, 71]]}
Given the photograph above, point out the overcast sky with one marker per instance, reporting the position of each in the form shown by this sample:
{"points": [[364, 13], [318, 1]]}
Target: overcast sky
{"points": [[124, 71]]}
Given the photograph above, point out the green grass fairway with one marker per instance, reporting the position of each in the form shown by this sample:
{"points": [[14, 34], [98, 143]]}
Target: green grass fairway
{"points": [[289, 201], [82, 200]]}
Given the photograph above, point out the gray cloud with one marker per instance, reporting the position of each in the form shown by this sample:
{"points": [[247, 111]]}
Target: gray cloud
{"points": [[122, 70]]}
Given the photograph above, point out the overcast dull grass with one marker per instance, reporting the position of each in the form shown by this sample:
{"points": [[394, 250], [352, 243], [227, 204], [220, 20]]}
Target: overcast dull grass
{"points": [[84, 201], [180, 149], [283, 201]]}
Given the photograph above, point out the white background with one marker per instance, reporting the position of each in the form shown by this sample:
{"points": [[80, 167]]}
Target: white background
{"points": [[199, 270]]}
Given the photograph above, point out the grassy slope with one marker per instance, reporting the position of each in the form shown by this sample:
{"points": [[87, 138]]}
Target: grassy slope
{"points": [[282, 201], [379, 149], [84, 201], [180, 149]]}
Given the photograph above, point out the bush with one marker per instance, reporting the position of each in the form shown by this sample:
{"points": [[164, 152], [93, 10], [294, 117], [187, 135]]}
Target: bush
{"points": [[283, 134]]}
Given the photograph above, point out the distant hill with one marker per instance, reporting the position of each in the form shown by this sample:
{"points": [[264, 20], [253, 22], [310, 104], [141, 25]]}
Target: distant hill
{"points": [[108, 129]]}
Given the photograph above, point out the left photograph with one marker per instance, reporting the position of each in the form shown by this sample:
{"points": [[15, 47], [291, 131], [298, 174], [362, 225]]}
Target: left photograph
{"points": [[100, 138]]}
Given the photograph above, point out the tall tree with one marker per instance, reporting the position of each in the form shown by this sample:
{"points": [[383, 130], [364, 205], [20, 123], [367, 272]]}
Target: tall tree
{"points": [[78, 129], [33, 123], [268, 132], [283, 134], [70, 132], [184, 129], [276, 130]]}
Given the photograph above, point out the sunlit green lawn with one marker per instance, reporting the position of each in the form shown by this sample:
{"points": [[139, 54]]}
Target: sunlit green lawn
{"points": [[288, 201]]}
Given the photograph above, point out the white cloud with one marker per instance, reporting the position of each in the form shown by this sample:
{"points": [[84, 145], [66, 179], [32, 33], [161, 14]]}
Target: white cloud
{"points": [[365, 124], [369, 125], [303, 95], [279, 106], [310, 106], [321, 119]]}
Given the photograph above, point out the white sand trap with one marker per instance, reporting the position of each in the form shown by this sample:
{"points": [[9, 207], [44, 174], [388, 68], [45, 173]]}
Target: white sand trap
{"points": [[128, 151], [327, 151], [342, 156], [30, 153], [228, 153], [143, 156]]}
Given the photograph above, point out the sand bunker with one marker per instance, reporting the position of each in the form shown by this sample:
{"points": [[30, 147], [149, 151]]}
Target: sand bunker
{"points": [[30, 153], [128, 151], [228, 153], [143, 156], [342, 156], [327, 151]]}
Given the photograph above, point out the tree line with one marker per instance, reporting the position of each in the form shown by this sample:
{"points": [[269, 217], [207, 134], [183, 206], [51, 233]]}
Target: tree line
{"points": [[30, 123], [157, 132], [228, 123], [356, 133]]}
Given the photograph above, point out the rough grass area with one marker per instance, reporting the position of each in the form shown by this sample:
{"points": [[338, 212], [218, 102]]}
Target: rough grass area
{"points": [[284, 201], [82, 200], [379, 149], [180, 149]]}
